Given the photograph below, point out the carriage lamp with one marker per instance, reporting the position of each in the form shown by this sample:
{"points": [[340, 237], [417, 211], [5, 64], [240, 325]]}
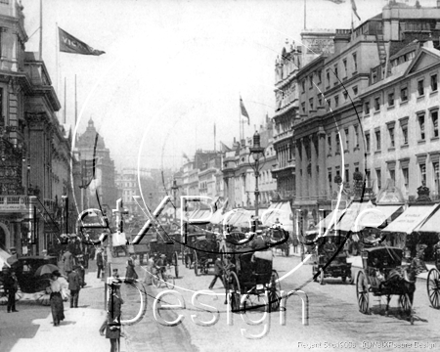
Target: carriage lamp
{"points": [[257, 152]]}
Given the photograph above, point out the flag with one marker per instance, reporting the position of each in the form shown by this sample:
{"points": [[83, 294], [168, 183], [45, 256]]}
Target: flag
{"points": [[72, 45], [354, 8], [337, 1], [224, 147], [88, 171], [186, 157], [243, 111]]}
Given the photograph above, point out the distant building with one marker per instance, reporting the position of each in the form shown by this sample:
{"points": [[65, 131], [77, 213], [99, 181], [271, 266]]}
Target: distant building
{"points": [[90, 145]]}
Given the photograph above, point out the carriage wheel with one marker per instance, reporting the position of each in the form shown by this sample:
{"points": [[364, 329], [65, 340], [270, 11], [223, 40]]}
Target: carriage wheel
{"points": [[233, 287], [196, 265], [252, 303], [405, 305], [321, 277], [433, 286], [274, 293], [362, 293], [176, 265]]}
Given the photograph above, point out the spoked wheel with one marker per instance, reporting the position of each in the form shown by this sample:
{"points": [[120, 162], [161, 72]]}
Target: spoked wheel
{"points": [[406, 307], [196, 265], [233, 289], [253, 303], [274, 292], [362, 293], [176, 265], [433, 286]]}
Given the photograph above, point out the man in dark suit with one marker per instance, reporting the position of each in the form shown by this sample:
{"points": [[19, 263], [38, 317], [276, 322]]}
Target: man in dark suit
{"points": [[75, 283], [11, 288], [218, 272], [111, 327]]}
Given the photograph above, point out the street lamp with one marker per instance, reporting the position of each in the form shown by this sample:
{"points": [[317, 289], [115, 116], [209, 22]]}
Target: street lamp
{"points": [[174, 189], [256, 152]]}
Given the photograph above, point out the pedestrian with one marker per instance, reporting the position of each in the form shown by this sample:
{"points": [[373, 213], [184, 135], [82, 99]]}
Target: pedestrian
{"points": [[218, 272], [75, 284], [99, 262], [68, 261], [11, 288], [56, 300], [111, 327], [130, 272]]}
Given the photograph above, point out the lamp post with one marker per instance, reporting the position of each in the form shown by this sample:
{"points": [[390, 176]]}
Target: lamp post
{"points": [[256, 151], [174, 189]]}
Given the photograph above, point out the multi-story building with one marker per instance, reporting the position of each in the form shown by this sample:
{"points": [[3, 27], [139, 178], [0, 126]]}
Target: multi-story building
{"points": [[329, 135], [98, 169], [35, 149]]}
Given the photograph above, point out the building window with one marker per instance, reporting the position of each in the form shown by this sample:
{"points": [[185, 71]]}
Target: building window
{"points": [[355, 63], [344, 62], [303, 86], [405, 174], [328, 78], [391, 99], [404, 128], [345, 94], [329, 144], [367, 107], [319, 74], [338, 143], [355, 90], [347, 139], [378, 144], [421, 119], [404, 94], [422, 173], [420, 88], [391, 133], [368, 177], [434, 119], [336, 101], [336, 73], [347, 175], [356, 136], [311, 81], [367, 141], [319, 99], [303, 108], [436, 174], [434, 83], [377, 104], [311, 103], [379, 179], [393, 175]]}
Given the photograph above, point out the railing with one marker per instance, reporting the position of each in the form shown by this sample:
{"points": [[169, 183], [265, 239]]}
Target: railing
{"points": [[14, 203]]}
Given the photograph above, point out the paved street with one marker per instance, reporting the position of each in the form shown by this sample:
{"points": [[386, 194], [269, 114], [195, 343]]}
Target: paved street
{"points": [[335, 322]]}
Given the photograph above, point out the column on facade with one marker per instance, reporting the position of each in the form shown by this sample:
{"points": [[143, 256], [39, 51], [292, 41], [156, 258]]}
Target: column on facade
{"points": [[314, 164], [321, 162], [298, 163], [304, 162]]}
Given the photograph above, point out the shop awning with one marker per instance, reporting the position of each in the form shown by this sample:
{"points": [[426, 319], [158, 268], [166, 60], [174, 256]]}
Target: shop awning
{"points": [[217, 217], [412, 217], [431, 224], [347, 222], [280, 211], [331, 219], [377, 216]]}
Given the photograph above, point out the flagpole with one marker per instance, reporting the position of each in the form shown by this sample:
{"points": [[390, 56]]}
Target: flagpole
{"points": [[65, 102], [41, 31], [215, 143], [76, 104], [305, 14]]}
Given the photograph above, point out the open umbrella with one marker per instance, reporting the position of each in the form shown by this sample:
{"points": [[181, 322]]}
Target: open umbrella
{"points": [[46, 269]]}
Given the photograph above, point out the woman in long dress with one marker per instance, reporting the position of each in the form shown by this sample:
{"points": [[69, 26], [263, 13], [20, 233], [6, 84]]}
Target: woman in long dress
{"points": [[56, 300], [130, 272]]}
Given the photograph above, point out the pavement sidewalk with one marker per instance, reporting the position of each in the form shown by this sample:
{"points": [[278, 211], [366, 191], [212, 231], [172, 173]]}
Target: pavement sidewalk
{"points": [[78, 332]]}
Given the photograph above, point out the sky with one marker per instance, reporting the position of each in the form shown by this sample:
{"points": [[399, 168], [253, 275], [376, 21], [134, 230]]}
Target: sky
{"points": [[173, 69]]}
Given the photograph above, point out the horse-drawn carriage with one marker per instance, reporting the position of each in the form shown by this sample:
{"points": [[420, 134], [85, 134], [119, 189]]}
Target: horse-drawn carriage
{"points": [[251, 274], [326, 254], [384, 274], [433, 282], [200, 252], [169, 247]]}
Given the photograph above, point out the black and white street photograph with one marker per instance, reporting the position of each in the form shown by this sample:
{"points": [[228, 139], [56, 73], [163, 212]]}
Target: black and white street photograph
{"points": [[219, 175]]}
